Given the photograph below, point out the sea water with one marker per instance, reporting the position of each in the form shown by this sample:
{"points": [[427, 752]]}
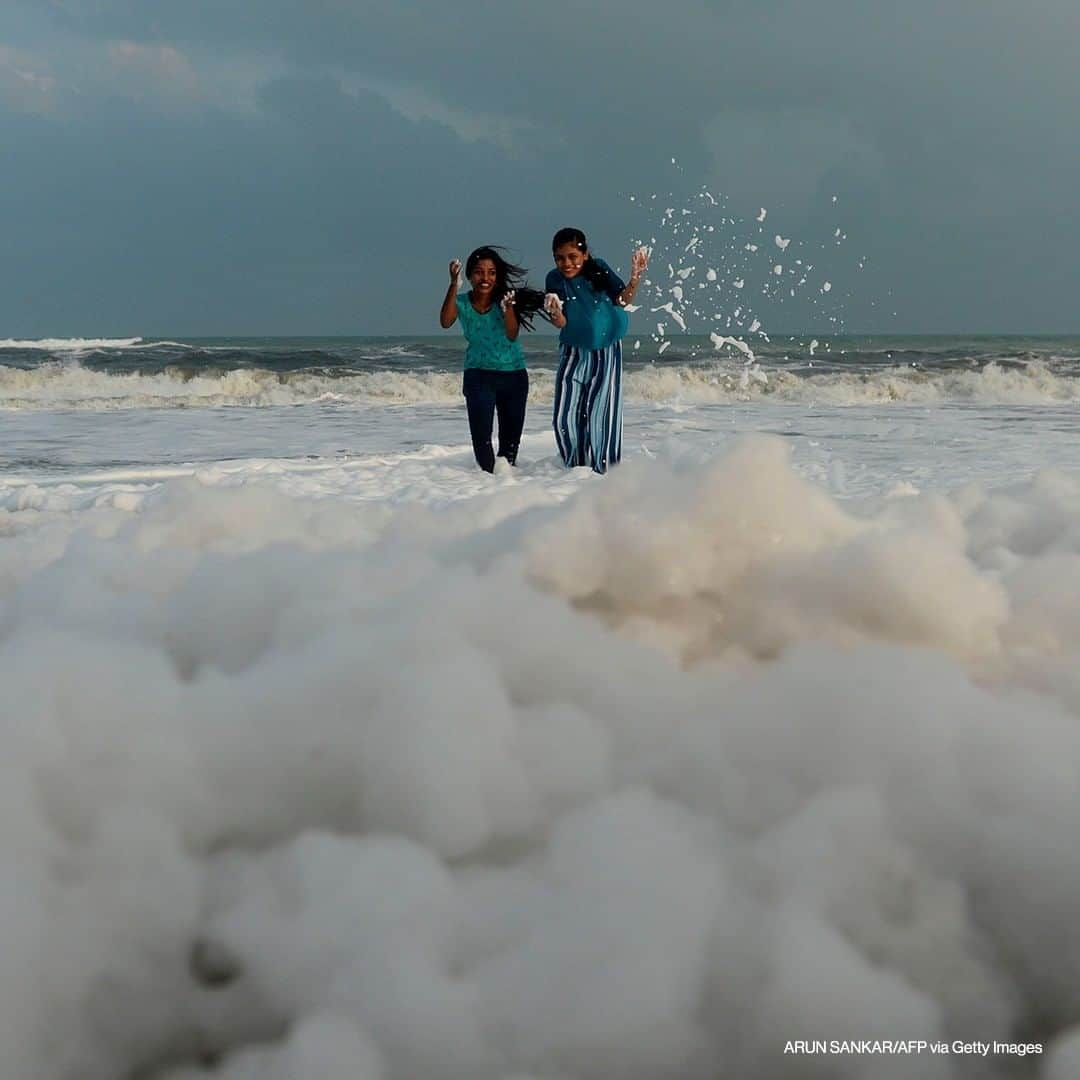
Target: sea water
{"points": [[328, 755], [856, 411]]}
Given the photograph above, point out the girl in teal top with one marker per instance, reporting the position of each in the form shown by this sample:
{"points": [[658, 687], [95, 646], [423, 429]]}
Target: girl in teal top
{"points": [[492, 313], [586, 300]]}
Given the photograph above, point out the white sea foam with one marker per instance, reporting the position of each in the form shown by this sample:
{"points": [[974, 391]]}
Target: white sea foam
{"points": [[1034, 384], [61, 385], [66, 386], [675, 316], [70, 344], [720, 341], [601, 787]]}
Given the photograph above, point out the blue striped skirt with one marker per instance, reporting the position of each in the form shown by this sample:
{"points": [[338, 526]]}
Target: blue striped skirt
{"points": [[588, 406]]}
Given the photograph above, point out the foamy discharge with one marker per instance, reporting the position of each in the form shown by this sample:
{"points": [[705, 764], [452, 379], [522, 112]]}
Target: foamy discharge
{"points": [[71, 386], [639, 785]]}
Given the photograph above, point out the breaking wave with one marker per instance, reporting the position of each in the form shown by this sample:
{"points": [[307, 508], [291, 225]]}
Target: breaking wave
{"points": [[71, 344], [71, 385]]}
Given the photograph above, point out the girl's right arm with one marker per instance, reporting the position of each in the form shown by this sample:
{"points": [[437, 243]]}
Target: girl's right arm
{"points": [[448, 314]]}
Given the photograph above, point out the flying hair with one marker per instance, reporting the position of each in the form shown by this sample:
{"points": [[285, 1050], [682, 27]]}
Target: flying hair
{"points": [[509, 277]]}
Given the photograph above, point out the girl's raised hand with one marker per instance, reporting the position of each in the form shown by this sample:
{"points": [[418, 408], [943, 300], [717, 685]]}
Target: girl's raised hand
{"points": [[508, 300], [638, 261], [455, 269]]}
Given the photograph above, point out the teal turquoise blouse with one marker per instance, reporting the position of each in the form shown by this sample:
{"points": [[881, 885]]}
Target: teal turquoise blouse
{"points": [[487, 344], [593, 319]]}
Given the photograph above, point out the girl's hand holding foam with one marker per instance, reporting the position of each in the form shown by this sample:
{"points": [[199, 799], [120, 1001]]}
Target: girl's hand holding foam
{"points": [[639, 259], [507, 301], [455, 270], [553, 305]]}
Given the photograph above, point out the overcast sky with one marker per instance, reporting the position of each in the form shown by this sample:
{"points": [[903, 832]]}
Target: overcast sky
{"points": [[277, 166]]}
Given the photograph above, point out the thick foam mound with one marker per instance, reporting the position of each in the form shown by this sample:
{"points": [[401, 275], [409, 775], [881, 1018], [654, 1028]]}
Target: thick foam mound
{"points": [[644, 783]]}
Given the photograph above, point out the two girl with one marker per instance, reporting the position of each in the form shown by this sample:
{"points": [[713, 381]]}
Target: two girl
{"points": [[585, 300]]}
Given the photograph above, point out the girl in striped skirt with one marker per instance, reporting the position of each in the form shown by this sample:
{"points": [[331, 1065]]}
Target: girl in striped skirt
{"points": [[585, 300]]}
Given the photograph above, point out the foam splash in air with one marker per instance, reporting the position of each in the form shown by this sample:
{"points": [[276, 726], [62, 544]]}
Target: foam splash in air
{"points": [[675, 316], [719, 341], [703, 243]]}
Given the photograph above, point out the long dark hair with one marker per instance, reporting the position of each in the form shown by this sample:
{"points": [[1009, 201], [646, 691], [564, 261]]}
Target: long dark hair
{"points": [[528, 301], [596, 275]]}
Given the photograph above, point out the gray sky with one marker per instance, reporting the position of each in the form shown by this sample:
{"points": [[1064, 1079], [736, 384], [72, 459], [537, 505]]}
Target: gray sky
{"points": [[274, 167]]}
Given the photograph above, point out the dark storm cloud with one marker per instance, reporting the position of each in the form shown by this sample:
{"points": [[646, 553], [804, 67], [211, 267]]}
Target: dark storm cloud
{"points": [[301, 215], [944, 130]]}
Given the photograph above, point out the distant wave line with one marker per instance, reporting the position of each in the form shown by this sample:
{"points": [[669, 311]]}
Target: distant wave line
{"points": [[74, 344], [58, 385]]}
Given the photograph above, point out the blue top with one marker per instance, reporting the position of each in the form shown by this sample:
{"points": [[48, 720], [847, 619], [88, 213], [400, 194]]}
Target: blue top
{"points": [[488, 346], [593, 319]]}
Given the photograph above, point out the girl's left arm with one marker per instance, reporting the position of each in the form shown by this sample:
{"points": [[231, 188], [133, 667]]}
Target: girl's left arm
{"points": [[510, 319], [638, 261]]}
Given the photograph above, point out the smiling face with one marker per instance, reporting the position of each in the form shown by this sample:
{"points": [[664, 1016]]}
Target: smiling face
{"points": [[483, 278], [569, 259]]}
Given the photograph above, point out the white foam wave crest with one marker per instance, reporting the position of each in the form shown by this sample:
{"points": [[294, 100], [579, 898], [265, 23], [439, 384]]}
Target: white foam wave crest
{"points": [[71, 386], [1033, 384], [56, 386], [70, 344], [611, 788]]}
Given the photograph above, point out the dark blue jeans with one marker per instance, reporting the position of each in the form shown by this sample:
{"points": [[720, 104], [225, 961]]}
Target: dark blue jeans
{"points": [[488, 393]]}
